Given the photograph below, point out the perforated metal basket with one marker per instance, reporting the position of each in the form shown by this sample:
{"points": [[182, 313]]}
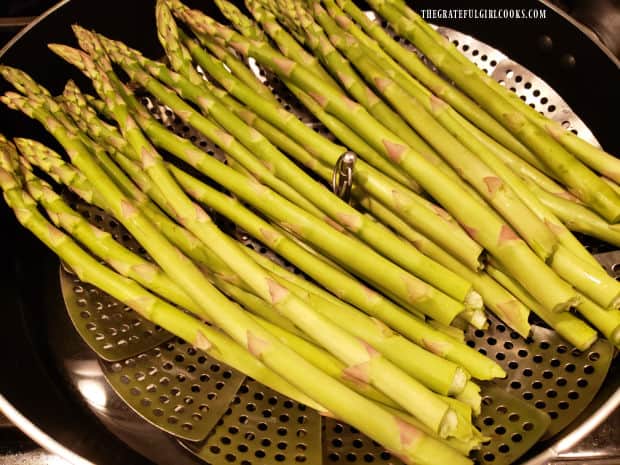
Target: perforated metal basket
{"points": [[220, 417]]}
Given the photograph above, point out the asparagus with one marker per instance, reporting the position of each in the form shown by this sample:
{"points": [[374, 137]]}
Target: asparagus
{"points": [[396, 348], [100, 242], [379, 371], [374, 304], [341, 131], [134, 266], [128, 291], [580, 179], [491, 232], [592, 156], [315, 355], [338, 210], [606, 321], [429, 218], [405, 355], [321, 234], [565, 324], [577, 217], [484, 179], [462, 130], [442, 89], [293, 50], [501, 302], [348, 78], [232, 313]]}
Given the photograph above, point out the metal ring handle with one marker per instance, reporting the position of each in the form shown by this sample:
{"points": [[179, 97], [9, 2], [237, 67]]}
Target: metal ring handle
{"points": [[342, 176]]}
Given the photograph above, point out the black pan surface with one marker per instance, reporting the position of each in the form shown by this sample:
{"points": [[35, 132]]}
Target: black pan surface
{"points": [[31, 378]]}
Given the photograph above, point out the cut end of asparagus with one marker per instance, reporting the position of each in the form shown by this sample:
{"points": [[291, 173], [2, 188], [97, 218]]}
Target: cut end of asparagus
{"points": [[471, 396], [615, 303], [449, 424], [477, 318], [458, 382], [566, 306], [474, 301], [587, 343]]}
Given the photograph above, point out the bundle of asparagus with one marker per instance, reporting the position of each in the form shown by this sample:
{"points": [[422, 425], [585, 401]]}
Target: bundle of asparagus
{"points": [[458, 204]]}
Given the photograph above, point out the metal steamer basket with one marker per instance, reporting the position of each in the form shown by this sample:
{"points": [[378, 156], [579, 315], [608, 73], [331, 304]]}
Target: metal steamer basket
{"points": [[90, 380]]}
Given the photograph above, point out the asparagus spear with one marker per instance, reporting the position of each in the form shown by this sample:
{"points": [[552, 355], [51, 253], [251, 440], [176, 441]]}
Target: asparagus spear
{"points": [[577, 217], [565, 324], [128, 291], [340, 67], [434, 221], [318, 233], [496, 236], [338, 210], [374, 304], [462, 159], [100, 242], [253, 331], [339, 130], [396, 348], [579, 178], [442, 89], [501, 302], [134, 266], [349, 349], [391, 344]]}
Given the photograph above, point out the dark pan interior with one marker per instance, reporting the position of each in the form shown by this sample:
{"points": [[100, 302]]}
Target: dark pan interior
{"points": [[30, 378]]}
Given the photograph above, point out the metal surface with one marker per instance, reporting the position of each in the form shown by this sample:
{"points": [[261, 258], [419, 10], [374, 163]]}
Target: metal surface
{"points": [[513, 425], [262, 426], [176, 388], [544, 370], [113, 330], [342, 177]]}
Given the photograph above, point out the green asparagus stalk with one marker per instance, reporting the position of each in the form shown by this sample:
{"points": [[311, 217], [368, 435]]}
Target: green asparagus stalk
{"points": [[340, 67], [442, 89], [592, 280], [392, 345], [577, 217], [100, 242], [579, 178], [373, 303], [471, 396], [342, 132], [431, 219], [134, 266], [293, 50], [491, 232], [462, 159], [129, 292], [414, 360], [606, 321], [321, 234], [455, 333], [352, 351], [338, 210], [592, 156], [567, 325], [462, 130], [232, 313], [501, 302], [315, 355]]}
